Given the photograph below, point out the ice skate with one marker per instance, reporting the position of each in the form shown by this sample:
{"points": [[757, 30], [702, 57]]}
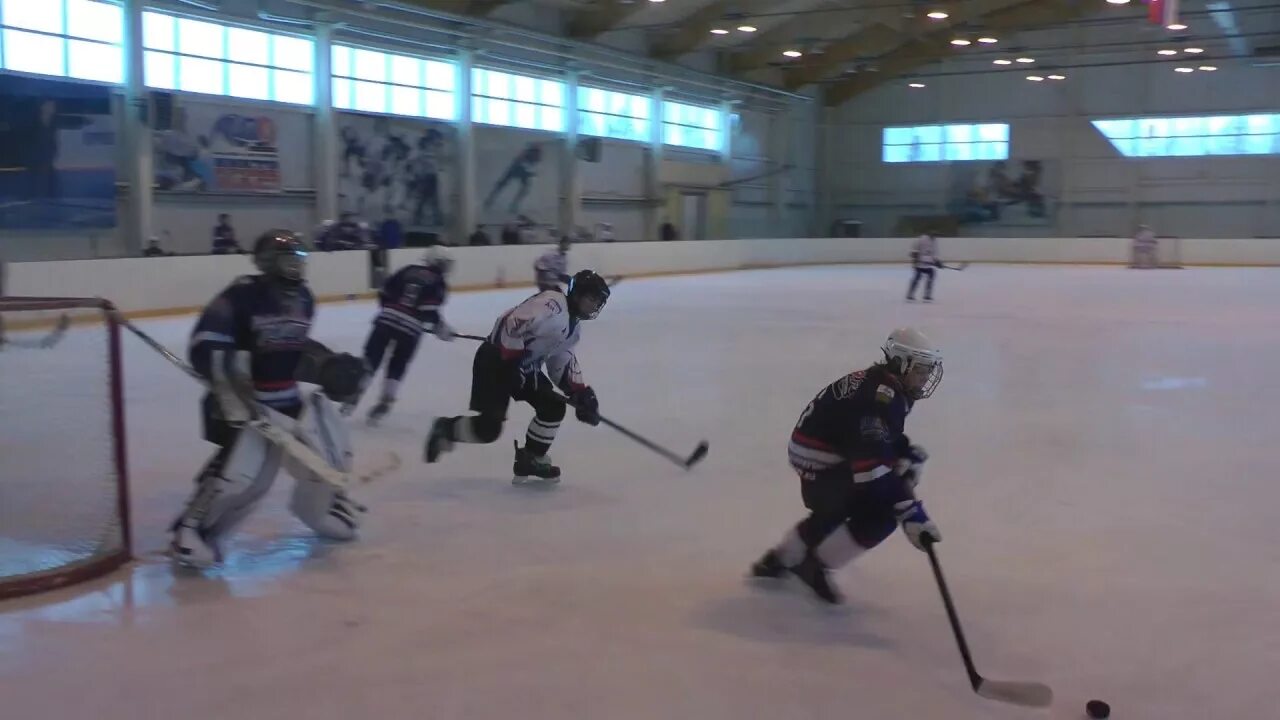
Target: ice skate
{"points": [[378, 412], [530, 469], [814, 574], [439, 441], [768, 567]]}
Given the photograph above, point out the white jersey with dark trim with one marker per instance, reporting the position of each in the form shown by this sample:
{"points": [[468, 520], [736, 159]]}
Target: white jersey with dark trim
{"points": [[540, 330]]}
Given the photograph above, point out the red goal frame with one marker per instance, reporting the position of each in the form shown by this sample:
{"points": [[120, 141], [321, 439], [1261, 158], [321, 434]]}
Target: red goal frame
{"points": [[97, 565]]}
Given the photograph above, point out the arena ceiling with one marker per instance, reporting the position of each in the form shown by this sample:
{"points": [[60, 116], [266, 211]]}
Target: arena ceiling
{"points": [[852, 46]]}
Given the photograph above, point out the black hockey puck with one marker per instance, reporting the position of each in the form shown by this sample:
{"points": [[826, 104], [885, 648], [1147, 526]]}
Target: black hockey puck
{"points": [[1097, 709]]}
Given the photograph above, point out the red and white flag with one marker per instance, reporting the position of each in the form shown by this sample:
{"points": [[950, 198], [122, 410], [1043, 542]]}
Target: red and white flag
{"points": [[1162, 12]]}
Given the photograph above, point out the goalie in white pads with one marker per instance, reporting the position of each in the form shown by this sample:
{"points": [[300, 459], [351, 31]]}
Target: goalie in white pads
{"points": [[251, 343], [409, 301], [509, 366], [858, 471]]}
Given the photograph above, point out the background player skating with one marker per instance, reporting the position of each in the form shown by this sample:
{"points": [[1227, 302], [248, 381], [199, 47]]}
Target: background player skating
{"points": [[858, 471], [924, 261], [251, 343], [509, 366], [410, 300], [551, 269]]}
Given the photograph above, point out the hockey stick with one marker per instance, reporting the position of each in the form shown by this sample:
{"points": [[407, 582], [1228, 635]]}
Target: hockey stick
{"points": [[1030, 694], [272, 431], [694, 457], [44, 343], [957, 266]]}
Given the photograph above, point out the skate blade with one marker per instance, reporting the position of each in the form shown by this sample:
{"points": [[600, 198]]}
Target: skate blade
{"points": [[534, 481]]}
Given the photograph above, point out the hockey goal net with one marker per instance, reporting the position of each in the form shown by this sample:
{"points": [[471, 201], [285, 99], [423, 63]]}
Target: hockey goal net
{"points": [[63, 498], [1155, 253]]}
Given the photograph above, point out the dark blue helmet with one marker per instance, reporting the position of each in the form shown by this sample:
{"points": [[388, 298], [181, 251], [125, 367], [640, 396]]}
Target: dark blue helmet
{"points": [[281, 255]]}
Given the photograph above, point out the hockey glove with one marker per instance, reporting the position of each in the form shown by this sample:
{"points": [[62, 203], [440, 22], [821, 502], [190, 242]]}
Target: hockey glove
{"points": [[910, 463], [343, 377], [587, 405], [916, 523], [443, 331]]}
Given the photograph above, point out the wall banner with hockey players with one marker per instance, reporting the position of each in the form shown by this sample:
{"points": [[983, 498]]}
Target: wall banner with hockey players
{"points": [[1012, 193], [212, 148], [57, 155], [517, 177], [397, 169]]}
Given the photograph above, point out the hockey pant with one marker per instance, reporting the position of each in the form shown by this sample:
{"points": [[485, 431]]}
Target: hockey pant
{"points": [[245, 465], [491, 395], [927, 273], [846, 518], [403, 347]]}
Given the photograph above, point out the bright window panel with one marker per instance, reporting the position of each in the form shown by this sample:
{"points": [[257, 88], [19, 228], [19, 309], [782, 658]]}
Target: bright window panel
{"points": [[342, 93], [441, 105], [294, 87], [158, 31], [341, 61], [292, 53], [95, 61], [369, 65], [248, 81], [248, 46], [159, 70], [406, 101], [200, 38], [406, 71], [28, 52], [200, 75], [525, 115], [370, 97], [93, 21], [552, 119], [441, 75], [43, 15]]}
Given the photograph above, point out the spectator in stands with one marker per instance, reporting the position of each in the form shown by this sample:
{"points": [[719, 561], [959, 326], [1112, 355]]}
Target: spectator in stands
{"points": [[510, 235], [153, 249], [604, 232], [349, 233], [224, 237], [479, 237], [669, 231]]}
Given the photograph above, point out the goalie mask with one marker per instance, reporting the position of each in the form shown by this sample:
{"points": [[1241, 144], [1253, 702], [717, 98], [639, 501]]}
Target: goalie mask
{"points": [[910, 356], [280, 255]]}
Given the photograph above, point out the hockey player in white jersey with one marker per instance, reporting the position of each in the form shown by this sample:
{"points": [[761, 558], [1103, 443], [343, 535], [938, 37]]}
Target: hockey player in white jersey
{"points": [[552, 268], [924, 260], [542, 330]]}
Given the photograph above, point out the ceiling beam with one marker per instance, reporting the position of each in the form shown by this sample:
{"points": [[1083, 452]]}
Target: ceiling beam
{"points": [[481, 8], [587, 24], [879, 38], [692, 30], [936, 45]]}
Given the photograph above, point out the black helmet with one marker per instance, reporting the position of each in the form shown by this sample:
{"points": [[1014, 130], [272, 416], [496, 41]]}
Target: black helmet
{"points": [[585, 287], [281, 255]]}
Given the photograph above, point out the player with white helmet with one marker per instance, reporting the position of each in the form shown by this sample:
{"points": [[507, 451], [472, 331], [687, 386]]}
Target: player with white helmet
{"points": [[409, 301], [552, 268], [858, 470]]}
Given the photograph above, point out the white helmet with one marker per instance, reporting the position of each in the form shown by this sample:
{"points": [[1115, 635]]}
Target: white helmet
{"points": [[438, 257], [911, 356]]}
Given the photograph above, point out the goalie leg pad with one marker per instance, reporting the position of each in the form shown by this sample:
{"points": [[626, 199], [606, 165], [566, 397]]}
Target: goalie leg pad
{"points": [[321, 429], [322, 507], [246, 475], [325, 509]]}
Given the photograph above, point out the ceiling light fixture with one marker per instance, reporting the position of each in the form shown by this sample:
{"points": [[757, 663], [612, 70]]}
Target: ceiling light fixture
{"points": [[1026, 60], [1184, 69], [1056, 76], [747, 28], [938, 15], [961, 41], [1118, 2], [792, 53], [987, 40], [1035, 78], [1002, 61], [719, 31], [1167, 51], [1193, 50], [1208, 68], [1176, 26], [915, 85]]}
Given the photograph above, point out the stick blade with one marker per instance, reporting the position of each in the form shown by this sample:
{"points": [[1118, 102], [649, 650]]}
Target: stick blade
{"points": [[1027, 694], [698, 454]]}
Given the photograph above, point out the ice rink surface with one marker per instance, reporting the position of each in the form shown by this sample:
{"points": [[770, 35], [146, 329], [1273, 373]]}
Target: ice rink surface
{"points": [[1103, 469]]}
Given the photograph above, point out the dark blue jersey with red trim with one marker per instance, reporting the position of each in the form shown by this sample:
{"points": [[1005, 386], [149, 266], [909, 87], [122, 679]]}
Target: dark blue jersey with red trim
{"points": [[857, 420], [269, 322], [412, 297]]}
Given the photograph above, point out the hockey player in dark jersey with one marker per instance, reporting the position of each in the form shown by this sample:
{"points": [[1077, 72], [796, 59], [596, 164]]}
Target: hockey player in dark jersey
{"points": [[409, 301], [509, 366], [858, 470], [251, 343]]}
